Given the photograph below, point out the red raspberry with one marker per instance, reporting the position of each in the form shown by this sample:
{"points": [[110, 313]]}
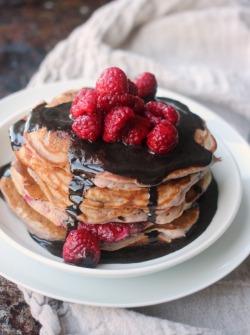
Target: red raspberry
{"points": [[81, 248], [153, 112], [171, 115], [132, 88], [106, 102], [146, 84], [109, 101], [157, 111], [112, 80], [84, 103], [108, 232], [138, 105], [136, 131], [113, 231], [162, 138], [88, 127], [114, 121], [134, 102]]}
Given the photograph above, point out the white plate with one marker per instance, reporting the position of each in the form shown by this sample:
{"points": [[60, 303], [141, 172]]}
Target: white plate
{"points": [[226, 173], [167, 285], [199, 272]]}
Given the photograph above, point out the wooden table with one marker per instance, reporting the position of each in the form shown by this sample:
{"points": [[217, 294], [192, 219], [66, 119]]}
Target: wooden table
{"points": [[28, 31]]}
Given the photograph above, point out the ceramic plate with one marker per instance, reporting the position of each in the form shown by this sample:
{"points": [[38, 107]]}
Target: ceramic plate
{"points": [[226, 173], [163, 286]]}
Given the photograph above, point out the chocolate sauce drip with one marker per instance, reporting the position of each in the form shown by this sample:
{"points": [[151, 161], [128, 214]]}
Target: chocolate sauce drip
{"points": [[73, 211], [54, 247], [71, 224], [153, 237], [77, 187], [4, 172], [152, 204], [126, 160], [16, 134], [80, 182]]}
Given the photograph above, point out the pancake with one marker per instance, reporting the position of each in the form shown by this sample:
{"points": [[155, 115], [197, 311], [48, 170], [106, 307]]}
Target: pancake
{"points": [[36, 223], [41, 225], [131, 206], [58, 181]]}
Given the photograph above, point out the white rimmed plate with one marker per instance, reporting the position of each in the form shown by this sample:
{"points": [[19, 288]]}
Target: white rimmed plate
{"points": [[226, 173]]}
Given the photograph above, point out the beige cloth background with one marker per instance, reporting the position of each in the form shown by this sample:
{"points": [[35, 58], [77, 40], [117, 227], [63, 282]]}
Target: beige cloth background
{"points": [[200, 49]]}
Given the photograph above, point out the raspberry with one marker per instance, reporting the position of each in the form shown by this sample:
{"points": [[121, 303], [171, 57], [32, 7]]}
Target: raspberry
{"points": [[114, 121], [88, 126], [171, 115], [146, 84], [138, 105], [162, 138], [84, 103], [109, 101], [132, 101], [132, 88], [157, 111], [108, 232], [81, 248], [136, 131], [106, 102], [113, 231], [111, 81], [153, 112]]}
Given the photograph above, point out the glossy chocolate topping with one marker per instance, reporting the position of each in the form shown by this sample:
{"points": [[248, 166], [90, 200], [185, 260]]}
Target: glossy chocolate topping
{"points": [[4, 172], [16, 134], [126, 160], [53, 118], [152, 203]]}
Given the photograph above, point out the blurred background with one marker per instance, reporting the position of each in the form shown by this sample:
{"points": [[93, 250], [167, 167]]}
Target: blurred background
{"points": [[29, 29]]}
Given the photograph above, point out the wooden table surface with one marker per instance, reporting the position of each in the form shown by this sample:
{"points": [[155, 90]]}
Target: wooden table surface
{"points": [[28, 31]]}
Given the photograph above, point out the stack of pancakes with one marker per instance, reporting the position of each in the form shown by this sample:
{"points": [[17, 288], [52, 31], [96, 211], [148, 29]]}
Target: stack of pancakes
{"points": [[41, 175]]}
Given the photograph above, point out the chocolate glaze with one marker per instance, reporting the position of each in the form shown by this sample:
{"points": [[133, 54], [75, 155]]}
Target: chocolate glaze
{"points": [[126, 160], [53, 118], [4, 172], [77, 186], [16, 134], [152, 203], [54, 247], [81, 180]]}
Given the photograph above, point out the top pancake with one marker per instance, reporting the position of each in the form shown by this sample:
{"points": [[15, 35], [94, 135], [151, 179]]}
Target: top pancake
{"points": [[115, 165]]}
